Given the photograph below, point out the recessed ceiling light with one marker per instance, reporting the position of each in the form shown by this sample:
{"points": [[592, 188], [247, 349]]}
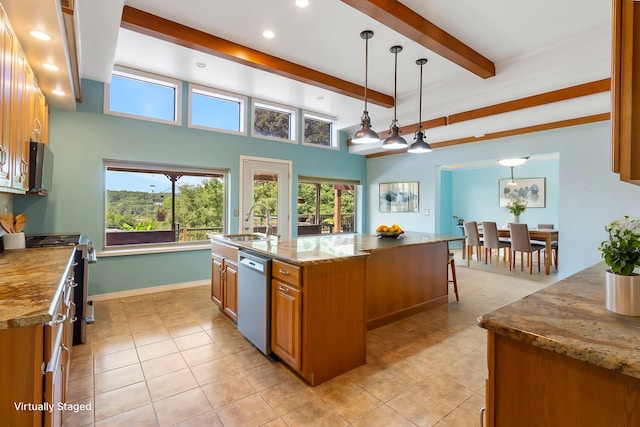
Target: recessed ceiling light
{"points": [[40, 35], [58, 92], [320, 98], [50, 67], [268, 34], [200, 64], [302, 3]]}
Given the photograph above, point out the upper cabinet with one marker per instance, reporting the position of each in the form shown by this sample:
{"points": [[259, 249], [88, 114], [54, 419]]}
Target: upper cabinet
{"points": [[625, 90], [23, 111], [6, 77]]}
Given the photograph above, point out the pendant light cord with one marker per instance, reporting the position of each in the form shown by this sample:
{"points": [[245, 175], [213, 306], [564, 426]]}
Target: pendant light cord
{"points": [[420, 110], [366, 71], [395, 88]]}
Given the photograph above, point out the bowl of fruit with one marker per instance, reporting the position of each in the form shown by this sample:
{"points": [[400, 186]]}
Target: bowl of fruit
{"points": [[393, 231]]}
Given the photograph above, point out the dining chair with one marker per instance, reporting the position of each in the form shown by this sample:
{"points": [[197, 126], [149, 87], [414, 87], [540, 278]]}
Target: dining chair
{"points": [[454, 278], [554, 244], [491, 241], [521, 242], [473, 240]]}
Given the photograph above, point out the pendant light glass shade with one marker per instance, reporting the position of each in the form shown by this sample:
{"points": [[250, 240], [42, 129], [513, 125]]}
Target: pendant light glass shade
{"points": [[516, 161], [395, 141], [420, 145], [365, 135]]}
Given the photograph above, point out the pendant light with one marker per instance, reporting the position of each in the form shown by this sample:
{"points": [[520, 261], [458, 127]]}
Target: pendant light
{"points": [[366, 135], [395, 141], [511, 163], [420, 145]]}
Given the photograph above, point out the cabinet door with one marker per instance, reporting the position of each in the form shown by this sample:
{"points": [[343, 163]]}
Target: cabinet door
{"points": [[19, 114], [6, 76], [285, 322], [54, 383], [230, 291], [216, 280]]}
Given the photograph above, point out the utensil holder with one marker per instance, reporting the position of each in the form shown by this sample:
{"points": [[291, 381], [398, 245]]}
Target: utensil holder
{"points": [[13, 241]]}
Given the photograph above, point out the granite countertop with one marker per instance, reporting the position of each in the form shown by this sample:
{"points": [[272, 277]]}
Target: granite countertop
{"points": [[569, 317], [30, 284], [333, 247]]}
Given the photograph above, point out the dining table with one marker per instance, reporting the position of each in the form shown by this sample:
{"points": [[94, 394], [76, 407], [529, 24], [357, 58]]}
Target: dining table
{"points": [[546, 235]]}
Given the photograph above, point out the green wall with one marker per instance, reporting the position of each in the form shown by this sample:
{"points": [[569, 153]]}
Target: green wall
{"points": [[81, 140]]}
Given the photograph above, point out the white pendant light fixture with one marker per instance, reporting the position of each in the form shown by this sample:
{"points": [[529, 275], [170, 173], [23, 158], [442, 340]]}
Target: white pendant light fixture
{"points": [[366, 135], [511, 163], [420, 145], [395, 141], [516, 161]]}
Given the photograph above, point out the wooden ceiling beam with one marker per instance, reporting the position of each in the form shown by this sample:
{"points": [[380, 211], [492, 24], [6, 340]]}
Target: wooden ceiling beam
{"points": [[505, 133], [405, 21], [585, 89], [154, 26], [571, 92]]}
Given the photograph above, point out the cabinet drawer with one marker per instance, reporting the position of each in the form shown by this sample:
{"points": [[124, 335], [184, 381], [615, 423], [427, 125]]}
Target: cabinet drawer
{"points": [[286, 272]]}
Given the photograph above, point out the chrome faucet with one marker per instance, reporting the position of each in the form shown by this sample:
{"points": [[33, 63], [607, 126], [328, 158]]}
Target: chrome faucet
{"points": [[266, 210]]}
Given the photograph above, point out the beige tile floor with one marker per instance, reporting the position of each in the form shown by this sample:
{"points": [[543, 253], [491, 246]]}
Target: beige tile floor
{"points": [[171, 358]]}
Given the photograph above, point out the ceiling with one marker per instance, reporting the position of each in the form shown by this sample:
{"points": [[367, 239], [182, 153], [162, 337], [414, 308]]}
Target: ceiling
{"points": [[536, 47]]}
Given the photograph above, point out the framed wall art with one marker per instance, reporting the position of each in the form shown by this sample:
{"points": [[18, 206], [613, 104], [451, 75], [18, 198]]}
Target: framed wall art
{"points": [[399, 197], [530, 189]]}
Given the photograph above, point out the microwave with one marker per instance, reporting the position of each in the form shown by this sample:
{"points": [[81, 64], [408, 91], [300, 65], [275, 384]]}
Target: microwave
{"points": [[40, 167]]}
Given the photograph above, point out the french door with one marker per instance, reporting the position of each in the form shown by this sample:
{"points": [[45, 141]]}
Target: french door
{"points": [[265, 182]]}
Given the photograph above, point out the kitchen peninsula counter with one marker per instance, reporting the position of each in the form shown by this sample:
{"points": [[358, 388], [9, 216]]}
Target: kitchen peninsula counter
{"points": [[404, 275], [333, 247], [30, 284], [559, 357]]}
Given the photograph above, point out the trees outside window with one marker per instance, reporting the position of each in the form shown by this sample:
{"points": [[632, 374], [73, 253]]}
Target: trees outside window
{"points": [[319, 131], [153, 204], [274, 121], [332, 206]]}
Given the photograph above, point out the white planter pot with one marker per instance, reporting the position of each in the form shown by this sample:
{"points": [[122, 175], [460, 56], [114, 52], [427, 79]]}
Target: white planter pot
{"points": [[13, 241], [623, 294]]}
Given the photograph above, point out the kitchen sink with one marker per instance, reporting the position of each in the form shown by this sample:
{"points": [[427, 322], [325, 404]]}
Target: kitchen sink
{"points": [[245, 237]]}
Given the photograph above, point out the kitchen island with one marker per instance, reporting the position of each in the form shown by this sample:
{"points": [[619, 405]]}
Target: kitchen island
{"points": [[327, 290], [558, 357]]}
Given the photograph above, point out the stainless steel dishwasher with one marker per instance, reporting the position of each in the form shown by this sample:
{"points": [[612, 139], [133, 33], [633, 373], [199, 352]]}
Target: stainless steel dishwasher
{"points": [[254, 299]]}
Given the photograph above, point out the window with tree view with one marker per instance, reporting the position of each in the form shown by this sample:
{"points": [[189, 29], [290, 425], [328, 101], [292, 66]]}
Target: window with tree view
{"points": [[155, 204], [319, 131], [326, 206], [274, 121]]}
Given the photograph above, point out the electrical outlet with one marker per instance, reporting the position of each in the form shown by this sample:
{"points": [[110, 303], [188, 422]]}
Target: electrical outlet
{"points": [[236, 212], [426, 212]]}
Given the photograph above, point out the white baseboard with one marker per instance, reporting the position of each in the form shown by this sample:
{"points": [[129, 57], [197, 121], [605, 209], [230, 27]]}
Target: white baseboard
{"points": [[150, 290]]}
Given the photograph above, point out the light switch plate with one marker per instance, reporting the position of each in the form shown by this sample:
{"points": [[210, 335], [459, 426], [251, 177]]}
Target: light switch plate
{"points": [[427, 212]]}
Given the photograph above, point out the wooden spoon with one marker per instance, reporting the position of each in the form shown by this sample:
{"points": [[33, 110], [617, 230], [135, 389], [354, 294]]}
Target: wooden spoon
{"points": [[20, 220], [6, 225]]}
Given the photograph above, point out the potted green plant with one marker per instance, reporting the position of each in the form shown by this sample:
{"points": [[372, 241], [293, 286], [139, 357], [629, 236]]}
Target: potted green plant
{"points": [[516, 207], [621, 253]]}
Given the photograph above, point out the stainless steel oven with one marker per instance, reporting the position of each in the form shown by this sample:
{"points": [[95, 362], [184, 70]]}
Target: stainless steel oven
{"points": [[83, 257]]}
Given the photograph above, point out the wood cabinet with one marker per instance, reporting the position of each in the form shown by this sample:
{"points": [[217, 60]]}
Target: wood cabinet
{"points": [[6, 77], [286, 313], [224, 279], [23, 110], [216, 279], [34, 363], [230, 289], [625, 90], [531, 386], [58, 339], [318, 322]]}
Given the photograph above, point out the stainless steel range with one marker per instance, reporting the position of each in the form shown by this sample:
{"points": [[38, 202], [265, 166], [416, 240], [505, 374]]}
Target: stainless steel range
{"points": [[84, 255]]}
